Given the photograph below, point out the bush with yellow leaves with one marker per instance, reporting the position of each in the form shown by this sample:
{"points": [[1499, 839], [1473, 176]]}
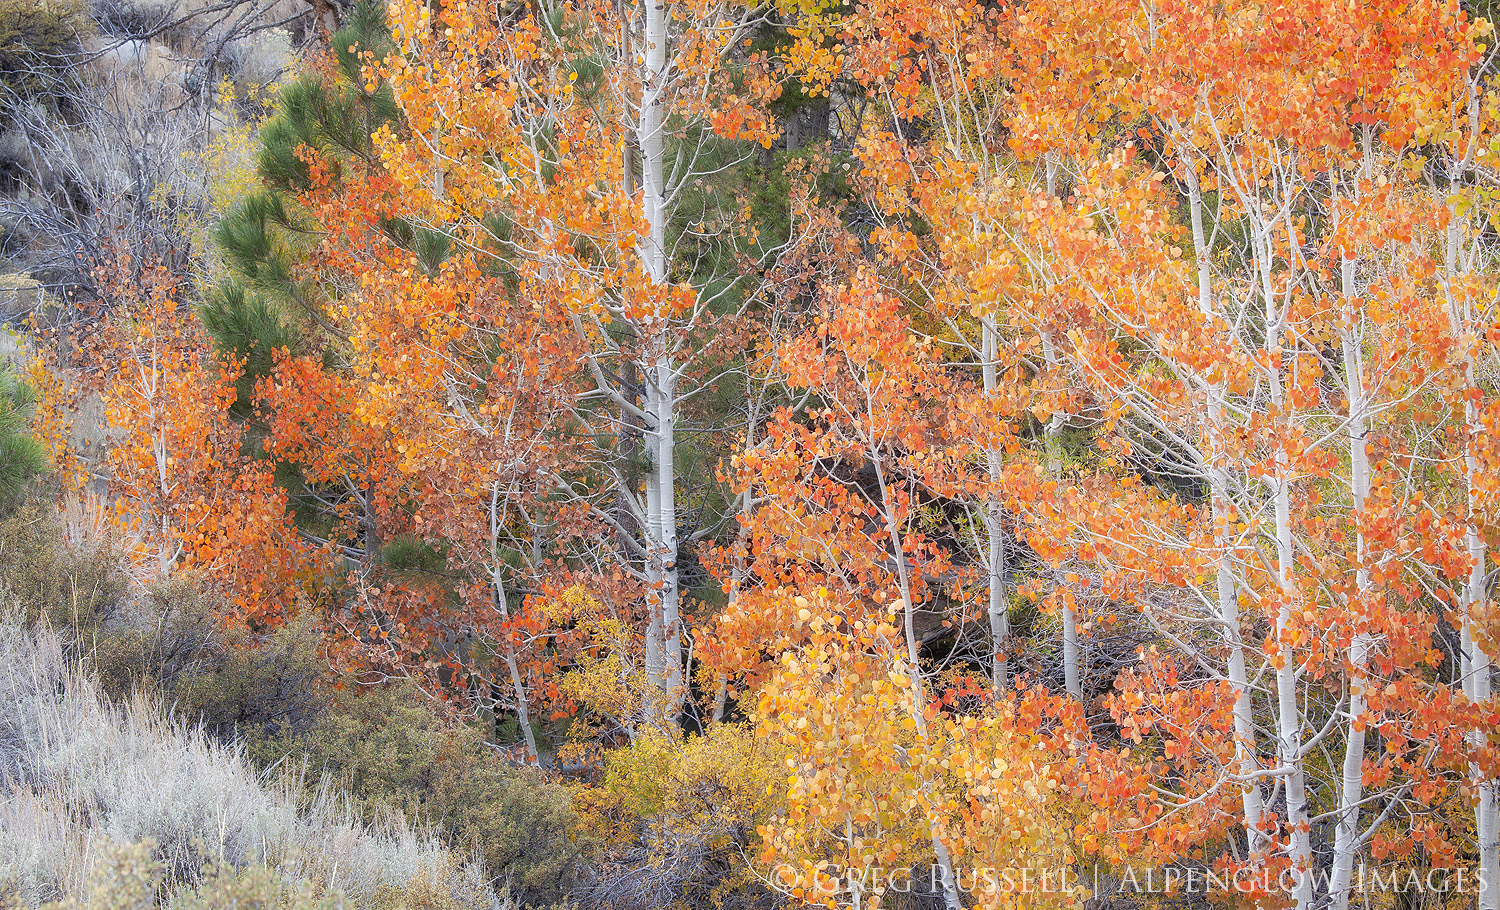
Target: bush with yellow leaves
{"points": [[676, 815]]}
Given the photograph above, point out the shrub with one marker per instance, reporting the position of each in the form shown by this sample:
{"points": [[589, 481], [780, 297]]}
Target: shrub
{"points": [[130, 877], [272, 696], [392, 751], [82, 771], [164, 634], [79, 588], [677, 818], [252, 888], [171, 641], [262, 689], [38, 38]]}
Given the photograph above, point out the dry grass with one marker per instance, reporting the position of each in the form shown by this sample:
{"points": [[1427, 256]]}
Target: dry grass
{"points": [[81, 774]]}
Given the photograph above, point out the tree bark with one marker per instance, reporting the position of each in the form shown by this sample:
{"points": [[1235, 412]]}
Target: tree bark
{"points": [[664, 634], [1225, 589], [1476, 666], [1288, 714], [502, 604], [994, 513], [1351, 790]]}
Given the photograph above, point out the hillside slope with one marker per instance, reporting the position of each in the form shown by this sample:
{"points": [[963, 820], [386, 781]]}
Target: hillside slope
{"points": [[83, 777]]}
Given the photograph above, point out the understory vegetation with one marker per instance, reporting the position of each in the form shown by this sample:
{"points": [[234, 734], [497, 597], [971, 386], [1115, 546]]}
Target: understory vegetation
{"points": [[147, 748]]}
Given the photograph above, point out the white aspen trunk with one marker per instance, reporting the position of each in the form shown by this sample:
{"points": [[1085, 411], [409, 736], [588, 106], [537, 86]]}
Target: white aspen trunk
{"points": [[951, 898], [1288, 714], [654, 656], [166, 553], [1245, 746], [1477, 668], [663, 634], [502, 603], [1347, 839], [1071, 680], [1476, 665], [652, 141], [721, 698], [523, 712], [666, 545], [851, 844], [995, 562]]}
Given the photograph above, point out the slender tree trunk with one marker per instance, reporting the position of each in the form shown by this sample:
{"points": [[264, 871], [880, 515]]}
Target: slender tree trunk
{"points": [[1071, 676], [1476, 665], [851, 844], [736, 581], [664, 634], [994, 526], [1477, 668], [502, 604], [1351, 790], [1245, 748], [166, 553], [523, 711], [671, 593], [655, 654], [650, 136], [631, 450], [951, 898], [1288, 713]]}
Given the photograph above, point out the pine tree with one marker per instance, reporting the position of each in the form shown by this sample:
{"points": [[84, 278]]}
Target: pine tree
{"points": [[271, 302]]}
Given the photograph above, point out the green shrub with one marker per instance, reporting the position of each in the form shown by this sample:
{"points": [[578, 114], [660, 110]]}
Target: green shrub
{"points": [[251, 888], [177, 646], [76, 590], [392, 751], [259, 687], [125, 878], [166, 634], [39, 39]]}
